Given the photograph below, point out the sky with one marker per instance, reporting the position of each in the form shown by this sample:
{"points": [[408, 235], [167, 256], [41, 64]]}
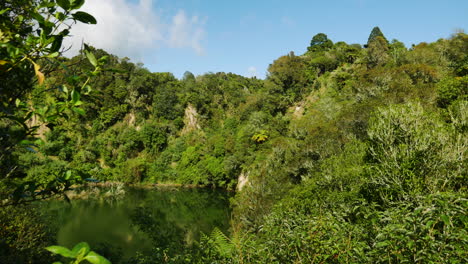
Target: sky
{"points": [[244, 37]]}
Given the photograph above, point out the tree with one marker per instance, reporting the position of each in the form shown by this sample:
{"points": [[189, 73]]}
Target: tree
{"points": [[397, 51], [376, 32], [30, 40], [320, 42], [377, 52], [289, 73]]}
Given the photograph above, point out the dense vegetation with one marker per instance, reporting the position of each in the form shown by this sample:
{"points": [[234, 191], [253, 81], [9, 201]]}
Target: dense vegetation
{"points": [[347, 154]]}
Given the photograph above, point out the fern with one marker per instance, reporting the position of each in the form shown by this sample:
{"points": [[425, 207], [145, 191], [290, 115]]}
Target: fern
{"points": [[260, 137], [220, 243]]}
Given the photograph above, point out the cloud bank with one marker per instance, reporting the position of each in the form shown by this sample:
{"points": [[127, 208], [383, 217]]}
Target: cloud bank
{"points": [[135, 28]]}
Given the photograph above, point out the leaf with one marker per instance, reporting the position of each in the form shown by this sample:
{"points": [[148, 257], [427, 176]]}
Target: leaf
{"points": [[75, 96], [26, 142], [56, 44], [84, 17], [4, 10], [80, 248], [382, 244], [103, 60], [446, 219], [65, 4], [91, 58], [40, 19], [95, 258], [429, 224], [79, 111], [87, 89], [52, 55], [68, 175], [65, 89], [39, 74], [76, 4], [60, 16], [63, 251], [64, 32]]}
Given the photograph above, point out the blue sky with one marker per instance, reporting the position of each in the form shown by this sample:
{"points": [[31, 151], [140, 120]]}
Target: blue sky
{"points": [[244, 37]]}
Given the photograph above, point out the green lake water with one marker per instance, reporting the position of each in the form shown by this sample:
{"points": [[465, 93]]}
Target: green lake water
{"points": [[140, 220]]}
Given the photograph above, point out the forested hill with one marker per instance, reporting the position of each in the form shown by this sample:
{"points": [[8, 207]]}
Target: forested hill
{"points": [[347, 153], [139, 126]]}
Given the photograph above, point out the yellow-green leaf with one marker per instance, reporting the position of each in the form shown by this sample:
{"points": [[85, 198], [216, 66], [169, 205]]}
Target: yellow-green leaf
{"points": [[39, 74]]}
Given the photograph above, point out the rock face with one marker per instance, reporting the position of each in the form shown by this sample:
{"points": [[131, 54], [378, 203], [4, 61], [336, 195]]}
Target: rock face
{"points": [[190, 119], [34, 121], [242, 181]]}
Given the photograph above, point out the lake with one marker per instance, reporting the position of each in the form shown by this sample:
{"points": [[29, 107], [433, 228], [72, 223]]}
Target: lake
{"points": [[141, 220]]}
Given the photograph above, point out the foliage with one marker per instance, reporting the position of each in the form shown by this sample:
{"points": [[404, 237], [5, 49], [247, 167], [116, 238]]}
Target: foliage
{"points": [[412, 152], [320, 42], [23, 235], [374, 35], [80, 252], [451, 89], [347, 154], [32, 36]]}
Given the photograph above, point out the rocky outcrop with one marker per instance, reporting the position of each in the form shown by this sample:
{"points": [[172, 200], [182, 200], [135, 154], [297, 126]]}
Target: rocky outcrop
{"points": [[242, 181], [190, 119]]}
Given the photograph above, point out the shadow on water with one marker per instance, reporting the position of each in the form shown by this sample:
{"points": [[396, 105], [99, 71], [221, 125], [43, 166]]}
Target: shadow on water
{"points": [[139, 221]]}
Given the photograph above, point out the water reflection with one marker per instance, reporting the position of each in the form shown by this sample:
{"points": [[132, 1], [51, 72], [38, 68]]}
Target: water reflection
{"points": [[141, 220]]}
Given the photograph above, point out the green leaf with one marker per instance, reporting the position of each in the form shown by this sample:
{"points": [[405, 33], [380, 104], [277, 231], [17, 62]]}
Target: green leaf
{"points": [[446, 219], [68, 175], [63, 251], [80, 248], [76, 4], [4, 10], [79, 111], [65, 4], [39, 18], [65, 89], [87, 89], [95, 258], [103, 60], [56, 44], [60, 16], [84, 17], [64, 32], [75, 96], [382, 244], [52, 55], [90, 56]]}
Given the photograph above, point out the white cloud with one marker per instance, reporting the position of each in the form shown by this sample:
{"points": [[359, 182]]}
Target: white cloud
{"points": [[133, 28], [186, 32], [252, 72]]}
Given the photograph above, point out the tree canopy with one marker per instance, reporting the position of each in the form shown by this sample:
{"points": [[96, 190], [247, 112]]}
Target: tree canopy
{"points": [[342, 154]]}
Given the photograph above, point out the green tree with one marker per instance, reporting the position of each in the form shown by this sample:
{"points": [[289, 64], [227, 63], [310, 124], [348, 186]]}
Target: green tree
{"points": [[288, 72], [376, 32], [31, 37], [377, 52], [320, 42]]}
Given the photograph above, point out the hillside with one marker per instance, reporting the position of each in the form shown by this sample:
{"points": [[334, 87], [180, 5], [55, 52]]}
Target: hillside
{"points": [[347, 153]]}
